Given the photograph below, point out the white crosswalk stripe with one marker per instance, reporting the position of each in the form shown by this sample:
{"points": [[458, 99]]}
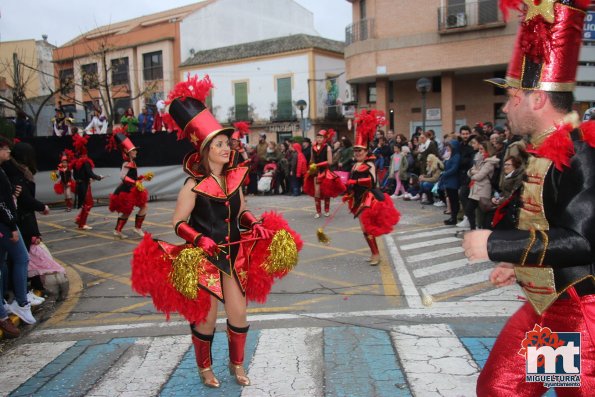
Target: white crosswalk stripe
{"points": [[433, 263], [404, 236], [431, 243], [24, 361], [439, 268], [285, 362], [457, 282], [145, 368], [290, 366], [435, 361]]}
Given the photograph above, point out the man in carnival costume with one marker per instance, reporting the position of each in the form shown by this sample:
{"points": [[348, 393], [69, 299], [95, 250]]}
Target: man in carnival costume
{"points": [[230, 256], [544, 237]]}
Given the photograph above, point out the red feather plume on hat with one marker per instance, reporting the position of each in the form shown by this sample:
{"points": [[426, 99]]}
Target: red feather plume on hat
{"points": [[242, 128], [112, 142], [506, 5], [193, 88], [367, 122], [330, 134], [80, 143]]}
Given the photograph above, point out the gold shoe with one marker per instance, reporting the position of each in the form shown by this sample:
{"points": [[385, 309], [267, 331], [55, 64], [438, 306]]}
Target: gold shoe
{"points": [[213, 383], [241, 380]]}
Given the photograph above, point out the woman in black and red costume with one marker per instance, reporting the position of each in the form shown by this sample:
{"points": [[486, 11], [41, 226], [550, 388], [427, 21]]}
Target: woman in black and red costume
{"points": [[375, 210], [65, 184], [83, 174], [321, 183], [131, 191], [239, 156], [229, 255]]}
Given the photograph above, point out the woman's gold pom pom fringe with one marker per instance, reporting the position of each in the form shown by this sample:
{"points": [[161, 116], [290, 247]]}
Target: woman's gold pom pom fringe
{"points": [[322, 238], [185, 271], [283, 253]]}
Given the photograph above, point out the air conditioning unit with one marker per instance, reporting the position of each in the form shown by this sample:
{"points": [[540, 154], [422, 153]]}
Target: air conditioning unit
{"points": [[457, 20]]}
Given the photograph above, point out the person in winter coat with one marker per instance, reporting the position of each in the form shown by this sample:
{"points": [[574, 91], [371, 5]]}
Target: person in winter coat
{"points": [[145, 121], [480, 185], [11, 245], [129, 121], [449, 180], [434, 168], [297, 168]]}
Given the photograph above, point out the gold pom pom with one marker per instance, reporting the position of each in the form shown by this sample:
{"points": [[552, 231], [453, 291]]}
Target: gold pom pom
{"points": [[322, 238], [186, 268], [283, 253], [149, 176], [54, 176], [139, 186], [313, 169]]}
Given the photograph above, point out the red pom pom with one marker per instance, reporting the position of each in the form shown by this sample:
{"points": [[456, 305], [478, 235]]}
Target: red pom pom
{"points": [[150, 275], [59, 188], [330, 184], [381, 217], [259, 281]]}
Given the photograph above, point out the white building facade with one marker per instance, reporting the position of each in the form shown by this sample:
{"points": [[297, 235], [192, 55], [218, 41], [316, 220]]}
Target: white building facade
{"points": [[262, 82]]}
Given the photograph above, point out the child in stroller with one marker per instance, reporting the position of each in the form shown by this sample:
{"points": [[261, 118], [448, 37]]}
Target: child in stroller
{"points": [[266, 183]]}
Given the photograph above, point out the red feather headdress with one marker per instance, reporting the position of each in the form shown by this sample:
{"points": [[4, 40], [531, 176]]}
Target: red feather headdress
{"points": [[367, 122]]}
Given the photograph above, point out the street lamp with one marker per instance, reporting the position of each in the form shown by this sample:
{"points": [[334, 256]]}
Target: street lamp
{"points": [[423, 86], [301, 105]]}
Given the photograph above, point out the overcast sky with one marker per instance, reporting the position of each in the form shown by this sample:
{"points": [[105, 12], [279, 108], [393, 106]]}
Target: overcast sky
{"points": [[63, 20]]}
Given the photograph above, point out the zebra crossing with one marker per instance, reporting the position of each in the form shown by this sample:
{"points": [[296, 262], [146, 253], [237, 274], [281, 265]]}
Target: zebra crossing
{"points": [[404, 360], [437, 269]]}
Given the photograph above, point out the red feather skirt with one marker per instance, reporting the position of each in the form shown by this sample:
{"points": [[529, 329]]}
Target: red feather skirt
{"points": [[330, 184], [59, 187], [124, 202], [378, 217]]}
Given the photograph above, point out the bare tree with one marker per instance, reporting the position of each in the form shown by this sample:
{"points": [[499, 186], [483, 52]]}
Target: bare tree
{"points": [[101, 87]]}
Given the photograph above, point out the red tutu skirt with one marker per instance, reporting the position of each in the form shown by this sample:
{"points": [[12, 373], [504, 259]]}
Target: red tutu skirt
{"points": [[59, 187], [380, 217], [330, 184], [151, 268], [124, 202]]}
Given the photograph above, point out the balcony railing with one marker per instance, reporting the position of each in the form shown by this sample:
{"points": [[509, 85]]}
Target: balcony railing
{"points": [[242, 113], [333, 113], [284, 112], [469, 16], [359, 31]]}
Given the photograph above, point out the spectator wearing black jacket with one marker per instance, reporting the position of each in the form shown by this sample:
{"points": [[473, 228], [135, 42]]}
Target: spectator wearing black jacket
{"points": [[467, 156], [11, 244]]}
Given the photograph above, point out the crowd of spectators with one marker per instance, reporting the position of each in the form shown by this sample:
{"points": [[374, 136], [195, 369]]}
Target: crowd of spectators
{"points": [[469, 172]]}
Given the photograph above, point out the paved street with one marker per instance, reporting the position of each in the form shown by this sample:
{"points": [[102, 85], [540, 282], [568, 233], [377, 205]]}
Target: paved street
{"points": [[421, 323]]}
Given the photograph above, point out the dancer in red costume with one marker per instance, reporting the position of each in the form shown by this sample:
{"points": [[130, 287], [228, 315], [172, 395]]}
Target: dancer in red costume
{"points": [[65, 184], [131, 191], [375, 210], [544, 235], [321, 183], [230, 255], [238, 152], [83, 174]]}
